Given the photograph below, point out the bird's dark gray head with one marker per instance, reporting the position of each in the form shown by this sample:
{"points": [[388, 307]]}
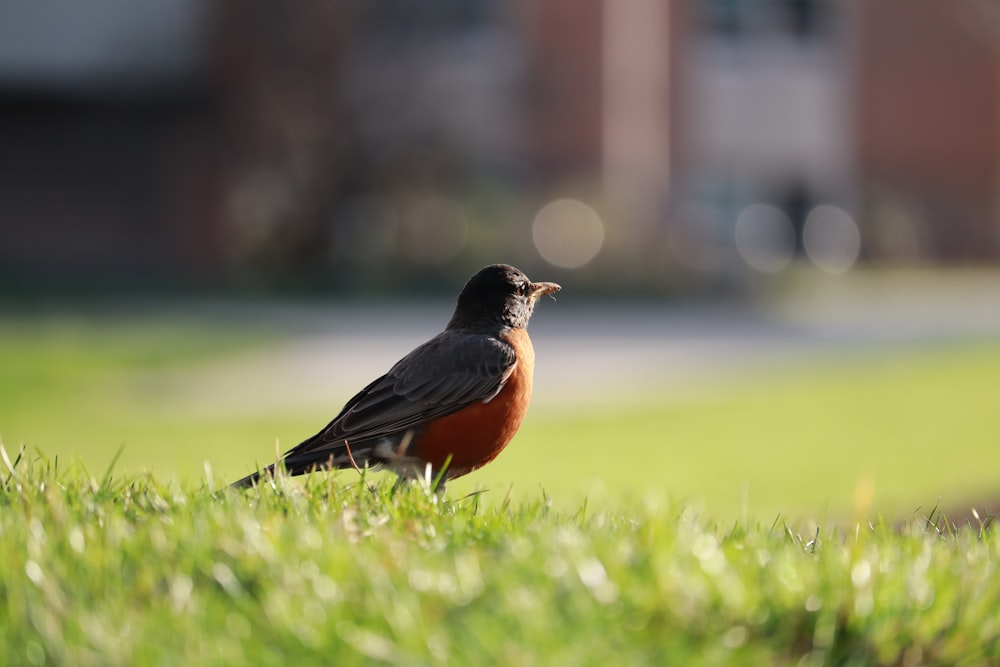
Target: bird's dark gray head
{"points": [[498, 294]]}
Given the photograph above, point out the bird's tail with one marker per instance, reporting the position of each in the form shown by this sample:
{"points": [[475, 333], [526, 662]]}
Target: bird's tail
{"points": [[298, 462], [252, 479]]}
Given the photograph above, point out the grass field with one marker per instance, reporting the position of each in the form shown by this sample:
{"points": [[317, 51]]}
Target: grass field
{"points": [[884, 431], [737, 525], [124, 570]]}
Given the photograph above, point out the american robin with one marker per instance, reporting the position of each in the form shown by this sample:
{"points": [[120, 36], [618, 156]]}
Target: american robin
{"points": [[451, 404]]}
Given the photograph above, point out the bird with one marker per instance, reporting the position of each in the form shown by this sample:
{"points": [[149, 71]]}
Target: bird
{"points": [[448, 407]]}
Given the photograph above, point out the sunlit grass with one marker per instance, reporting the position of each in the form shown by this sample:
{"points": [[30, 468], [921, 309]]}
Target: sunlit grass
{"points": [[913, 426], [86, 388], [120, 569], [883, 431], [737, 524]]}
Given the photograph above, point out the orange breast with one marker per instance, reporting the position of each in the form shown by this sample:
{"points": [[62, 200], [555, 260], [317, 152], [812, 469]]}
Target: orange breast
{"points": [[475, 435]]}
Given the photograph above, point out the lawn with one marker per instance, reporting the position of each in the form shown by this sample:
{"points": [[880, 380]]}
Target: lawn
{"points": [[879, 431], [125, 570], [737, 525], [885, 432]]}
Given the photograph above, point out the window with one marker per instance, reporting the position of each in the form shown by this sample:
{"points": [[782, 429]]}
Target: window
{"points": [[737, 20]]}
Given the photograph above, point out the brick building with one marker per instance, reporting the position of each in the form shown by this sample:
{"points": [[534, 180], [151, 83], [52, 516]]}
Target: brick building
{"points": [[179, 142]]}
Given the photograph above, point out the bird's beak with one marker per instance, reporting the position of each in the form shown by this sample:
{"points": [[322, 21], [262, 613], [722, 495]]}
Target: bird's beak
{"points": [[541, 289]]}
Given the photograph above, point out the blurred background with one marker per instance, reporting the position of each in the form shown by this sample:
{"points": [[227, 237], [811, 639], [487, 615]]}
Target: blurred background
{"points": [[663, 145], [720, 186]]}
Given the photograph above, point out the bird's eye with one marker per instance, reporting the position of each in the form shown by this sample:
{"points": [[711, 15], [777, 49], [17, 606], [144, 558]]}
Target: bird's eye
{"points": [[522, 289]]}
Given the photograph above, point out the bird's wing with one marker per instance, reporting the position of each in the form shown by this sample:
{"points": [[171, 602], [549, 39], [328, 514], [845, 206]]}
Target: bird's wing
{"points": [[447, 373]]}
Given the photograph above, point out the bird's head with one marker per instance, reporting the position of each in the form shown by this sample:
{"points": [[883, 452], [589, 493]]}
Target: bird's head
{"points": [[498, 294]]}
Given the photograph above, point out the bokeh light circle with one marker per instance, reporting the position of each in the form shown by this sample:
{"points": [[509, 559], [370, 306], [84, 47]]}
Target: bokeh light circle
{"points": [[831, 239], [568, 233], [764, 237]]}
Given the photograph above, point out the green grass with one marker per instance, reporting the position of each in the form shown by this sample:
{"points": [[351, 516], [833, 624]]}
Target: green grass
{"points": [[881, 431], [127, 570], [908, 426], [87, 388], [707, 529]]}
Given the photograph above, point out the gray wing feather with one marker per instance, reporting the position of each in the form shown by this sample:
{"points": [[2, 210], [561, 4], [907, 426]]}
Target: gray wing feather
{"points": [[447, 373]]}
